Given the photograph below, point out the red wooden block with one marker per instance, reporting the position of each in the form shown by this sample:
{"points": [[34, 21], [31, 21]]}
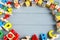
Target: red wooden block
{"points": [[9, 2], [15, 38], [6, 16], [34, 37], [36, 1], [13, 31], [12, 35], [52, 6], [5, 38]]}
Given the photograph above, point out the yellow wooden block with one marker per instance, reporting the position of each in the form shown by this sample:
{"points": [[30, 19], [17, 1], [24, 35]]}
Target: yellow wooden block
{"points": [[0, 13], [8, 25], [51, 35], [9, 9], [51, 1], [58, 17], [40, 2], [27, 3]]}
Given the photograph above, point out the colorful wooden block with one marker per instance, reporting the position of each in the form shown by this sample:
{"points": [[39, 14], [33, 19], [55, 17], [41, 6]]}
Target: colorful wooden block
{"points": [[1, 34], [1, 5], [43, 36], [12, 35], [7, 26], [34, 37], [51, 34], [4, 1], [27, 3]]}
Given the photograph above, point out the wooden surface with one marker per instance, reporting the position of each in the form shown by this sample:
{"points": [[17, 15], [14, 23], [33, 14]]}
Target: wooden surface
{"points": [[30, 20]]}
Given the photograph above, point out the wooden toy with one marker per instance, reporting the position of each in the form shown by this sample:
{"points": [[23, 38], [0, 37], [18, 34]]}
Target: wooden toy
{"points": [[12, 35], [7, 26], [27, 38], [57, 16], [6, 16], [40, 2], [4, 20], [52, 6], [34, 37], [9, 4], [16, 4], [27, 3], [36, 1], [1, 5], [1, 34], [58, 26], [9, 11], [2, 23], [51, 34], [6, 12], [58, 10], [57, 3], [4, 8], [1, 13], [43, 36], [49, 3], [4, 1]]}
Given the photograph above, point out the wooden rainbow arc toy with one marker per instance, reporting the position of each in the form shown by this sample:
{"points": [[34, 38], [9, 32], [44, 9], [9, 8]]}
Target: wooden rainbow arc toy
{"points": [[6, 10]]}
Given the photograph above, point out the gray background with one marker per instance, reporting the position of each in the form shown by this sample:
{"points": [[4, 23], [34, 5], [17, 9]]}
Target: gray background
{"points": [[32, 20]]}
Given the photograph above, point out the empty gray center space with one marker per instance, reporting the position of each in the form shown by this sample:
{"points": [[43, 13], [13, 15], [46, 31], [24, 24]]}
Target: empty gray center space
{"points": [[30, 20]]}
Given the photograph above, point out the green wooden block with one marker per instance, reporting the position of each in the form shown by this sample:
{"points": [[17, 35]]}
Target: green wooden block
{"points": [[5, 8], [1, 34], [58, 14], [57, 3]]}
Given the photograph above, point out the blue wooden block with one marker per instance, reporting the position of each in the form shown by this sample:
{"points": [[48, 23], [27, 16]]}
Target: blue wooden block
{"points": [[4, 1], [1, 23], [1, 5], [43, 36]]}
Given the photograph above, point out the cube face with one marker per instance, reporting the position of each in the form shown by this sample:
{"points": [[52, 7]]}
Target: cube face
{"points": [[43, 36], [4, 1], [2, 23], [5, 38], [5, 8], [9, 2], [1, 5], [12, 35], [6, 16], [52, 6], [1, 34], [34, 37], [58, 14], [36, 1]]}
